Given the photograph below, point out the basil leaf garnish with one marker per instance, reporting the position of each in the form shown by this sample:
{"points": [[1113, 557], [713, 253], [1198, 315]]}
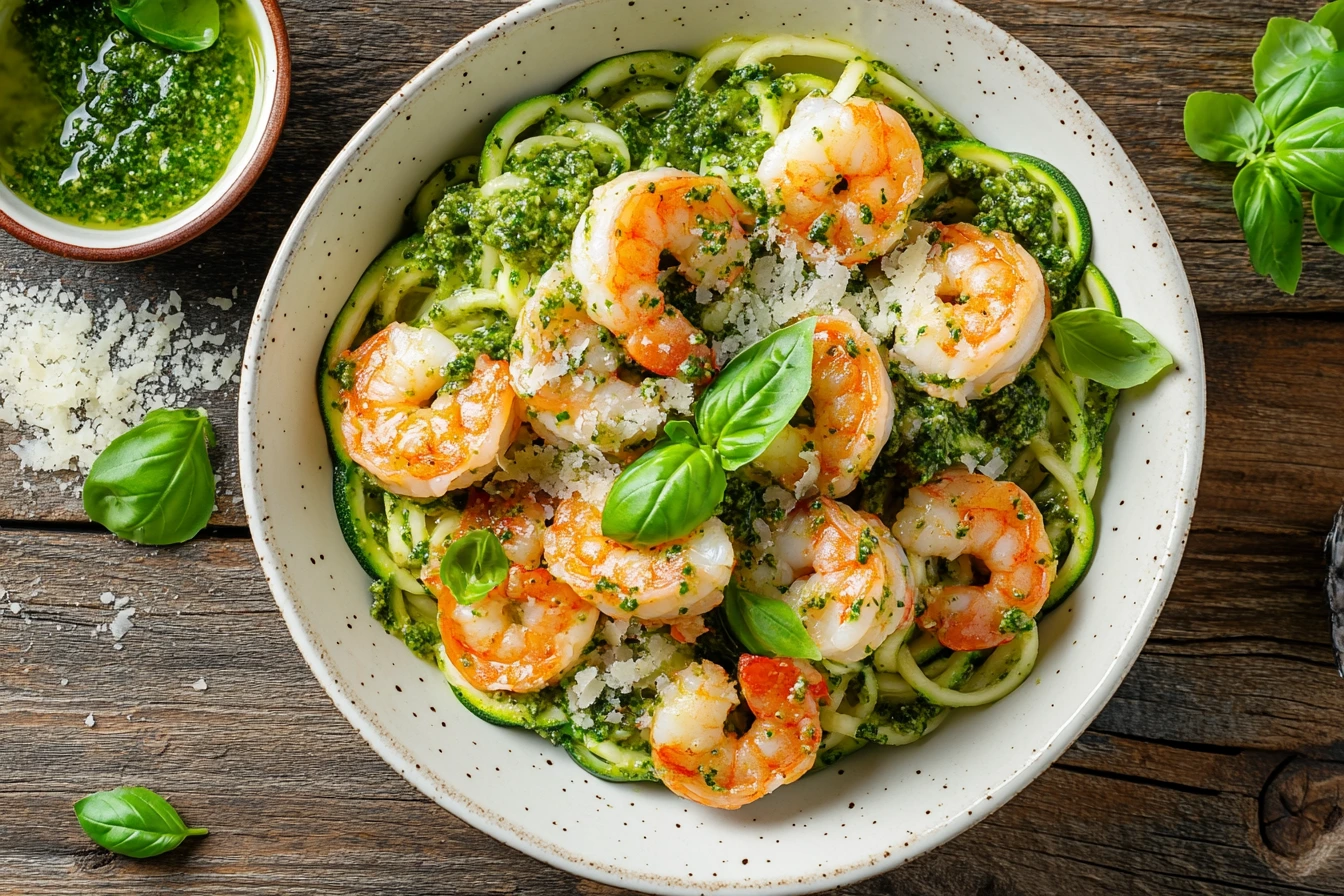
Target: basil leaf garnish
{"points": [[474, 565], [133, 821], [1270, 210], [1331, 17], [182, 25], [154, 484], [666, 493], [766, 626], [1224, 127], [1328, 213], [1301, 95], [1288, 45], [1106, 348], [1312, 152], [757, 394]]}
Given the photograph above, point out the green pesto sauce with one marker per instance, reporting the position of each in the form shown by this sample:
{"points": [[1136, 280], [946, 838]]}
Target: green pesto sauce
{"points": [[103, 128]]}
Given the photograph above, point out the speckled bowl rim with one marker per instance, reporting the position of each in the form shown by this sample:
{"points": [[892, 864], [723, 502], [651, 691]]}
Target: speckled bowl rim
{"points": [[247, 178], [489, 821]]}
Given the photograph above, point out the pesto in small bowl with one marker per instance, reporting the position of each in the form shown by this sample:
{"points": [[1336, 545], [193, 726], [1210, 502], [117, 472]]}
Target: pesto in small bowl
{"points": [[102, 128]]}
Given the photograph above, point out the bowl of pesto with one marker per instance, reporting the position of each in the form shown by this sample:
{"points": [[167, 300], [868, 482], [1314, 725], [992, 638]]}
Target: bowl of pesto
{"points": [[130, 127], [632, 515]]}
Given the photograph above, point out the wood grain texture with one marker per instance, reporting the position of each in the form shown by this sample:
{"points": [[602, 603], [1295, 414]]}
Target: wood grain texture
{"points": [[1216, 769]]}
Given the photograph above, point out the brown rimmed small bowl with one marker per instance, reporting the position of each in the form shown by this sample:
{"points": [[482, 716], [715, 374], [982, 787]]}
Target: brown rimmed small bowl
{"points": [[271, 102]]}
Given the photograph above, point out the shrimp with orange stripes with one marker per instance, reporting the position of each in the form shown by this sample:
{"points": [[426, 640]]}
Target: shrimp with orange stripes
{"points": [[967, 515], [532, 628], [697, 759], [617, 254], [415, 439], [985, 321], [843, 176]]}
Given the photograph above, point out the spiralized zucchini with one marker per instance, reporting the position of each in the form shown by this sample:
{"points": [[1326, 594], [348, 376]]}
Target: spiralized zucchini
{"points": [[454, 273]]}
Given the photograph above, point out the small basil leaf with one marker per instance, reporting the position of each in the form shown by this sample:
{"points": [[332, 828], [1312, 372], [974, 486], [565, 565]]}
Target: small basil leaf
{"points": [[1224, 127], [1288, 45], [133, 821], [1303, 93], [1311, 152], [666, 493], [1331, 17], [474, 565], [1270, 209], [681, 432], [1108, 349], [154, 484], [1328, 211], [182, 25], [765, 626], [757, 394]]}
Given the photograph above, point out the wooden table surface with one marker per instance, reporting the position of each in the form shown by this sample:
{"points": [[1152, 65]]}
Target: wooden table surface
{"points": [[1217, 768]]}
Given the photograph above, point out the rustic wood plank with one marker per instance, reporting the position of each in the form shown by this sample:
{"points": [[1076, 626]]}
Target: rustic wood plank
{"points": [[1166, 788]]}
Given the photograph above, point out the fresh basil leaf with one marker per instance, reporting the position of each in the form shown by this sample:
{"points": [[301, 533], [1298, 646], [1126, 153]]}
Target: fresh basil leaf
{"points": [[1331, 17], [1288, 45], [1270, 209], [1303, 93], [1224, 127], [666, 493], [133, 821], [1108, 349], [1312, 152], [474, 565], [766, 626], [154, 484], [1328, 212], [757, 394], [182, 25]]}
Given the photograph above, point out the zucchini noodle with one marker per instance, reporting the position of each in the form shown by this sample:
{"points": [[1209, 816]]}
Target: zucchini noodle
{"points": [[483, 230]]}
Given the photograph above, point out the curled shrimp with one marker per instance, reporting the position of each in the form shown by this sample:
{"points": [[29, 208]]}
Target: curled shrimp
{"points": [[679, 578], [987, 319], [852, 408], [696, 759], [844, 175], [618, 246], [529, 631], [413, 439], [999, 529], [844, 574], [565, 368]]}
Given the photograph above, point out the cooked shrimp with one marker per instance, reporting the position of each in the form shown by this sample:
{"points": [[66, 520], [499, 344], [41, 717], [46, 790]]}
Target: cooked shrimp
{"points": [[683, 577], [844, 175], [999, 528], [528, 632], [415, 441], [565, 369], [696, 759], [852, 407], [988, 318], [618, 245], [844, 574]]}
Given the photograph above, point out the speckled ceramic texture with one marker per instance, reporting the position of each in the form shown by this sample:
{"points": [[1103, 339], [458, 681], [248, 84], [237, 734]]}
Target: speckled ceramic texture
{"points": [[878, 808]]}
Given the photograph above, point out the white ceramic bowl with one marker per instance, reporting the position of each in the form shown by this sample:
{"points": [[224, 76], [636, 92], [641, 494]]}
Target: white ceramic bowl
{"points": [[882, 806], [248, 161]]}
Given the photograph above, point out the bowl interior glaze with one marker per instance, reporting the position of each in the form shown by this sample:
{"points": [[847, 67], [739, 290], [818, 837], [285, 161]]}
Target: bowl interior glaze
{"points": [[882, 806]]}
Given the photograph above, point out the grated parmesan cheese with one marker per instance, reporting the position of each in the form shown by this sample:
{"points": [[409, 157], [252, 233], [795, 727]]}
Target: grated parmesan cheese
{"points": [[73, 378], [560, 472]]}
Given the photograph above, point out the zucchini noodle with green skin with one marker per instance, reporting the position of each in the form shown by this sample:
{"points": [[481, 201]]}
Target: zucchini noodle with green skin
{"points": [[719, 197]]}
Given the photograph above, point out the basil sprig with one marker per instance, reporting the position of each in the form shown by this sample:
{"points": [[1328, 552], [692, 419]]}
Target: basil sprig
{"points": [[182, 25], [133, 821], [1289, 140], [154, 484], [474, 565], [1106, 348], [675, 486], [765, 626]]}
